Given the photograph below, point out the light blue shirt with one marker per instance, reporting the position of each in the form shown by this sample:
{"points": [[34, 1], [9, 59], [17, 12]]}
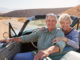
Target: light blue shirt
{"points": [[45, 38]]}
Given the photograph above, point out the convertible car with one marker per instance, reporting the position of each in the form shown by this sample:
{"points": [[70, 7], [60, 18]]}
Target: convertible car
{"points": [[8, 51]]}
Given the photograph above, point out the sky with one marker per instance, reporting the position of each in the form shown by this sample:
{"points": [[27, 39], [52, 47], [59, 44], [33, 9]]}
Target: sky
{"points": [[35, 4]]}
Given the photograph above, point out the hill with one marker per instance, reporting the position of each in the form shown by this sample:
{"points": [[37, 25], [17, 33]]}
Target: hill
{"points": [[73, 11], [32, 12], [4, 10]]}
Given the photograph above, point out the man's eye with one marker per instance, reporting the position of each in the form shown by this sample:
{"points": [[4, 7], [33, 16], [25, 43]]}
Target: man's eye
{"points": [[48, 20]]}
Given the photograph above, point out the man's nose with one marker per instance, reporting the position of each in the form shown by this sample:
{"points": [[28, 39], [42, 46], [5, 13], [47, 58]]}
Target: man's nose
{"points": [[64, 23]]}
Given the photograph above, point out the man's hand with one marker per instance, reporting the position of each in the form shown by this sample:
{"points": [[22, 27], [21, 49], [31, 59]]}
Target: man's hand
{"points": [[41, 54], [18, 39], [45, 53], [6, 41], [60, 38]]}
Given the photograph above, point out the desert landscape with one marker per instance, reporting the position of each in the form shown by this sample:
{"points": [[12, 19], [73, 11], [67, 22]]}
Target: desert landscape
{"points": [[17, 20], [4, 25]]}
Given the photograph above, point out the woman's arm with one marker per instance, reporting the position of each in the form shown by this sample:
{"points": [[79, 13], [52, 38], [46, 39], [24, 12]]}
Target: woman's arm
{"points": [[74, 40]]}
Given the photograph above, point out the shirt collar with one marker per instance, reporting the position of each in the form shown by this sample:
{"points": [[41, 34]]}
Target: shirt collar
{"points": [[53, 31]]}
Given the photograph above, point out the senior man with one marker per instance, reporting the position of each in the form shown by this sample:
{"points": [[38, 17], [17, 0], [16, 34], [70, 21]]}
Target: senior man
{"points": [[46, 47]]}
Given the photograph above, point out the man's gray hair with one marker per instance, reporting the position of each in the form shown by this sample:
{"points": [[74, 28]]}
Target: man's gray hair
{"points": [[65, 17], [51, 14]]}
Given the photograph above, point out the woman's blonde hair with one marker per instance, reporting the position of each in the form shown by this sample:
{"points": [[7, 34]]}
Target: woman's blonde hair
{"points": [[65, 17]]}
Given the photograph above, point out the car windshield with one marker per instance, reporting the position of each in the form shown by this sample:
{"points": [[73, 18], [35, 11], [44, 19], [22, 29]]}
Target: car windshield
{"points": [[79, 26], [35, 24]]}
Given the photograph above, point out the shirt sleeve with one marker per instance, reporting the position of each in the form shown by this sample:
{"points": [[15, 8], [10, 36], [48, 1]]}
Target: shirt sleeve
{"points": [[61, 44], [59, 33], [74, 42], [31, 37]]}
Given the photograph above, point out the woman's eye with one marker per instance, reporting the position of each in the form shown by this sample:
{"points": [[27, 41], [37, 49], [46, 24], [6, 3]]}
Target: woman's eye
{"points": [[67, 23]]}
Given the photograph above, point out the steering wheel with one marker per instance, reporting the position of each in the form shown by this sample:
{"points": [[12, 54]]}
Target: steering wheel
{"points": [[6, 37], [33, 42]]}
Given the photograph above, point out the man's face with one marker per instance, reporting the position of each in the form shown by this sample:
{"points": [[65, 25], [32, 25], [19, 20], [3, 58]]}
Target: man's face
{"points": [[51, 22]]}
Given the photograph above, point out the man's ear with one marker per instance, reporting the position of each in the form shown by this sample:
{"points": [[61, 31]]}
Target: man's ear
{"points": [[56, 22]]}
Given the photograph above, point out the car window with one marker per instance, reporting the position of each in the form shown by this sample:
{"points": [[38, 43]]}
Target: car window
{"points": [[79, 26], [75, 27]]}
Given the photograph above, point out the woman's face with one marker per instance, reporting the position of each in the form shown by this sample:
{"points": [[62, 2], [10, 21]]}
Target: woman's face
{"points": [[65, 24], [51, 22]]}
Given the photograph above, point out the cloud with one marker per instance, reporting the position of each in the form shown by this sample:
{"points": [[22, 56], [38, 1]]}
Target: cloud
{"points": [[31, 4]]}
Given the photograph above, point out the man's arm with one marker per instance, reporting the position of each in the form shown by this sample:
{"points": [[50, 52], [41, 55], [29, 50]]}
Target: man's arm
{"points": [[26, 38], [44, 53], [58, 47], [33, 37]]}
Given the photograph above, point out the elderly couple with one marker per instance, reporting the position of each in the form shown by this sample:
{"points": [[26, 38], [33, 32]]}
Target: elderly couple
{"points": [[52, 43]]}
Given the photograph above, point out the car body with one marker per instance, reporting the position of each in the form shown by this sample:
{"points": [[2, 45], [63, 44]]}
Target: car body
{"points": [[9, 51]]}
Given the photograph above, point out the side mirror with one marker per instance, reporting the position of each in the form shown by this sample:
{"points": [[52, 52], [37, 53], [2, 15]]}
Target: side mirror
{"points": [[5, 35]]}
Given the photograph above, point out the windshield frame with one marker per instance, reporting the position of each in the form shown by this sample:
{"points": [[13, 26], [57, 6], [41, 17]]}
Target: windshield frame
{"points": [[38, 17]]}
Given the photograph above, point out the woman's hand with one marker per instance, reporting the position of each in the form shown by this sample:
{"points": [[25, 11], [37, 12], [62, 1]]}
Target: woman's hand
{"points": [[41, 54], [60, 38]]}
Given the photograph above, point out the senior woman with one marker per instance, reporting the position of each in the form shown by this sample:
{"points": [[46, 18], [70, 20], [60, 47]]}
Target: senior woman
{"points": [[71, 34], [44, 41]]}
